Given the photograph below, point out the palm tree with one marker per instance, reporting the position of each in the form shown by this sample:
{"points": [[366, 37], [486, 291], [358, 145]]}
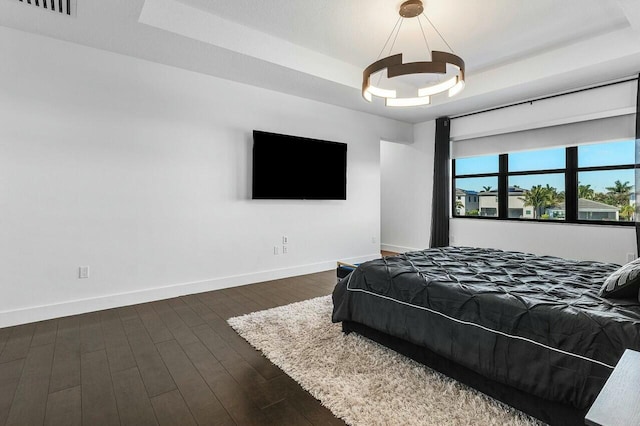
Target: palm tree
{"points": [[585, 191], [607, 198], [486, 188], [554, 196], [619, 187], [620, 192], [539, 197], [627, 212]]}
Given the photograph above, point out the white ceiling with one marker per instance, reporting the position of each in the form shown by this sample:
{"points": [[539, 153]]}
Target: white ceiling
{"points": [[513, 49]]}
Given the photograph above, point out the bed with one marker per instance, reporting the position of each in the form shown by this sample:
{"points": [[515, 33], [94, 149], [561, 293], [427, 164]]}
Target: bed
{"points": [[528, 330]]}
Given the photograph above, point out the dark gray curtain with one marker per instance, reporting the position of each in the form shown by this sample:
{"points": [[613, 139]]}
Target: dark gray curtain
{"points": [[637, 169], [441, 185]]}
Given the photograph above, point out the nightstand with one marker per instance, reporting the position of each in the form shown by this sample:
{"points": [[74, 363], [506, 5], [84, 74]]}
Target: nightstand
{"points": [[618, 403]]}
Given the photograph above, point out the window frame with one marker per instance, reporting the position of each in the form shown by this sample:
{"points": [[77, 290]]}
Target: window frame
{"points": [[570, 172]]}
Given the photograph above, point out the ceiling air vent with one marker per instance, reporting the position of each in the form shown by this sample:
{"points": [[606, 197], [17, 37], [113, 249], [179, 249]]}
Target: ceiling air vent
{"points": [[64, 7]]}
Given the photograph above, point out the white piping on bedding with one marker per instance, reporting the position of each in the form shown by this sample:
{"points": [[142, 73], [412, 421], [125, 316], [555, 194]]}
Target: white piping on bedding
{"points": [[477, 325]]}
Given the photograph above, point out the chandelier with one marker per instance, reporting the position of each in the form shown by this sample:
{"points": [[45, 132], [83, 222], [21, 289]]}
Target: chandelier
{"points": [[448, 68]]}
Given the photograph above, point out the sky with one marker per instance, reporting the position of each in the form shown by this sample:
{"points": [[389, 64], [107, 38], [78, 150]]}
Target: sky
{"points": [[606, 154]]}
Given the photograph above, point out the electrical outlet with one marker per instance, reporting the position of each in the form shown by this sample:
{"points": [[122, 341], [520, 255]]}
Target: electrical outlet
{"points": [[83, 272], [631, 257], [285, 249], [374, 240], [276, 250], [285, 240]]}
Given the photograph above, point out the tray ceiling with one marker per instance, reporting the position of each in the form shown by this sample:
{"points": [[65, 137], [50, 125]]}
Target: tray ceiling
{"points": [[514, 49]]}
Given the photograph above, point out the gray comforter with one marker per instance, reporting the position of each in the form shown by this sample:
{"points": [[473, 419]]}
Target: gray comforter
{"points": [[535, 323]]}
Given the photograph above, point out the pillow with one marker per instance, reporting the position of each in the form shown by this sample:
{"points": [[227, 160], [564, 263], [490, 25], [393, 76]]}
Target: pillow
{"points": [[623, 283]]}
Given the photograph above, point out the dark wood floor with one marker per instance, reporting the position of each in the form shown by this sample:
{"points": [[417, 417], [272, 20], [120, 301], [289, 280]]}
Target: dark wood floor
{"points": [[172, 362]]}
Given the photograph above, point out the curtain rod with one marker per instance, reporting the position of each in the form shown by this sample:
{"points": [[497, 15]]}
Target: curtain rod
{"points": [[546, 97]]}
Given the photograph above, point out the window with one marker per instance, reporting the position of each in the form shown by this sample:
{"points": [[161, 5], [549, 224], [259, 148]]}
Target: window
{"points": [[585, 184], [547, 159], [605, 182], [476, 186], [536, 184]]}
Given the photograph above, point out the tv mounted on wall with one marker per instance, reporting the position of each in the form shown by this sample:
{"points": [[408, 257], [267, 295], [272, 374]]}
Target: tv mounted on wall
{"points": [[294, 168]]}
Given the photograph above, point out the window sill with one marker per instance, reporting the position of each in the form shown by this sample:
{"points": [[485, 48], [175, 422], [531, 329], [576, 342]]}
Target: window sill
{"points": [[549, 221]]}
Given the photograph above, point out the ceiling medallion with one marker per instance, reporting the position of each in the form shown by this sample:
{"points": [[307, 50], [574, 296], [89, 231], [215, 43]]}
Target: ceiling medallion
{"points": [[394, 66]]}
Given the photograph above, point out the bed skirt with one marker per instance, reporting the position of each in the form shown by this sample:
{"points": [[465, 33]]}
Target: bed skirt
{"points": [[551, 412]]}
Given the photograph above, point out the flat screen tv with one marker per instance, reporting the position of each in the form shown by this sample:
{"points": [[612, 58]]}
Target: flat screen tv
{"points": [[295, 168]]}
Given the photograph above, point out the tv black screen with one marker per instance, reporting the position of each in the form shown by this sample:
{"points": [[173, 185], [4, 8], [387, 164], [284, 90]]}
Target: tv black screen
{"points": [[290, 167]]}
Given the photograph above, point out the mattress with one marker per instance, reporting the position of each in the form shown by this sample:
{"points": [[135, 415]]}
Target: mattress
{"points": [[532, 322]]}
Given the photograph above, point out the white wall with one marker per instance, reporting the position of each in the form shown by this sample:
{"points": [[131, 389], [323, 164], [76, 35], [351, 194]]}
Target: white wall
{"points": [[406, 189], [142, 172], [577, 241]]}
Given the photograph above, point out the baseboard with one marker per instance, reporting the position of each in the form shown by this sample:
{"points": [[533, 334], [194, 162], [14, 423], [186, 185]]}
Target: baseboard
{"points": [[81, 306], [398, 249]]}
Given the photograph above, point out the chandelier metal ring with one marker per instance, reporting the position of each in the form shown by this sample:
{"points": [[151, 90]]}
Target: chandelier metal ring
{"points": [[395, 67]]}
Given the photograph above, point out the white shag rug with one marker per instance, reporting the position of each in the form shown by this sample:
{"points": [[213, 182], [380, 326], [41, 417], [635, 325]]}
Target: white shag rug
{"points": [[360, 381]]}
